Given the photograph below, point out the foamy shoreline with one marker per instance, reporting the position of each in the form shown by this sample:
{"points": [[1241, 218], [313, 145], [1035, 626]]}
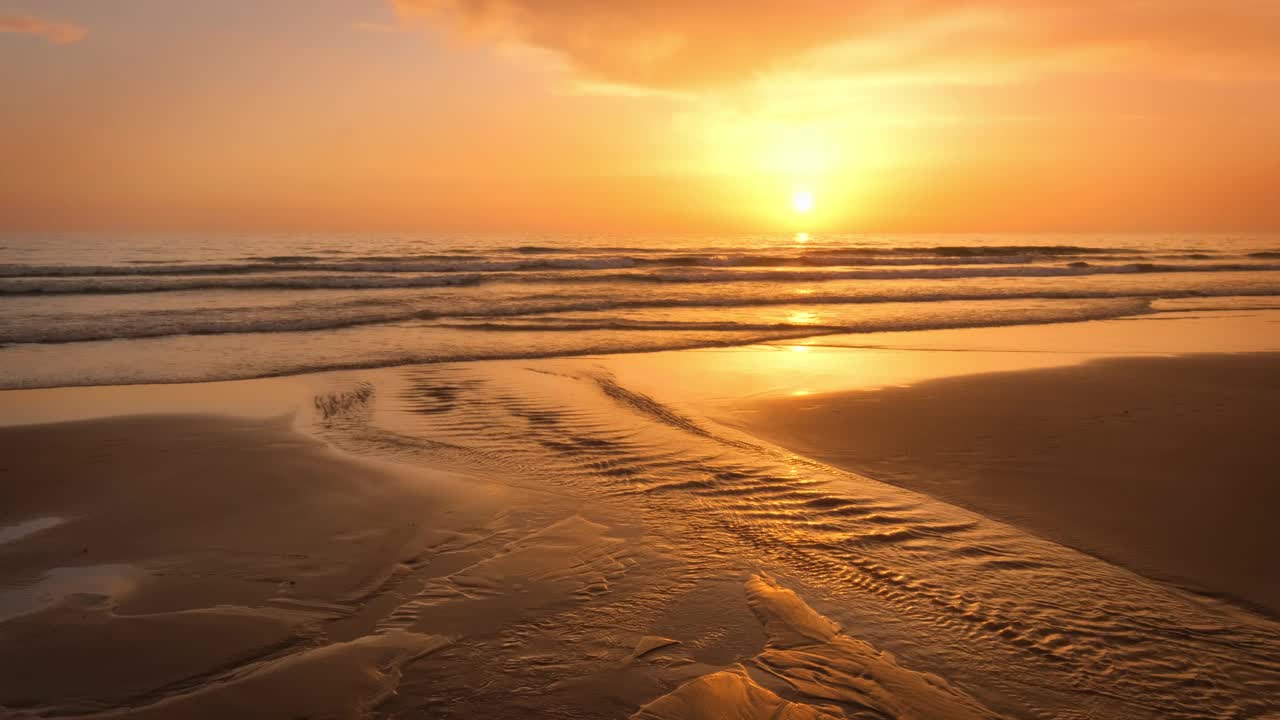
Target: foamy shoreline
{"points": [[90, 310]]}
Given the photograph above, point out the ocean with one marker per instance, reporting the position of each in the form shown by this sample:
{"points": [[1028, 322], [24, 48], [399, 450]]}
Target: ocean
{"points": [[96, 309]]}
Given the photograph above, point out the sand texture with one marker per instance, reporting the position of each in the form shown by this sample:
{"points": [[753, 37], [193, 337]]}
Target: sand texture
{"points": [[552, 539], [1170, 466]]}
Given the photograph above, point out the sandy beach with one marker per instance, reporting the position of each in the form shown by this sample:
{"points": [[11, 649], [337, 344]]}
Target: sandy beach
{"points": [[186, 552], [255, 572], [638, 535], [1166, 465], [582, 360]]}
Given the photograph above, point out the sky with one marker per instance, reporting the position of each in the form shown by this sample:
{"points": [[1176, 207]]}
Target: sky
{"points": [[631, 116]]}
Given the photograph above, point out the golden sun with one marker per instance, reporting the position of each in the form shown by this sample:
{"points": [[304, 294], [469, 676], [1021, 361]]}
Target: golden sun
{"points": [[802, 201]]}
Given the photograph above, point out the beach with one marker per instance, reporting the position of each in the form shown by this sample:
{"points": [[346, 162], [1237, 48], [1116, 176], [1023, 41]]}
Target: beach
{"points": [[806, 529], [182, 551], [581, 360], [1163, 464]]}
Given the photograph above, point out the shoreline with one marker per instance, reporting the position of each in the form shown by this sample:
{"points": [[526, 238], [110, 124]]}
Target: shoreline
{"points": [[123, 370], [823, 363]]}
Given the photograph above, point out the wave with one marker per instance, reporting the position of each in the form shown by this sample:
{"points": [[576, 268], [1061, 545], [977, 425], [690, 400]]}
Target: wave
{"points": [[1111, 310], [594, 259], [938, 250], [128, 368], [981, 250], [659, 325], [539, 250], [299, 265], [115, 284], [924, 273], [454, 264], [521, 315]]}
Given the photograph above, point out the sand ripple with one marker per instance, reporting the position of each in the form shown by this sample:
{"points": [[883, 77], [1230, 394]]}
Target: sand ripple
{"points": [[1019, 623]]}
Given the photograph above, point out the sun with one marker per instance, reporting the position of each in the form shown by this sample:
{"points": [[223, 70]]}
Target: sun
{"points": [[802, 201]]}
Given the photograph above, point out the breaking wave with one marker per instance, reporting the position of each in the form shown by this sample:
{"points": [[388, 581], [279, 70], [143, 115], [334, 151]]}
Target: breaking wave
{"points": [[238, 279], [546, 315], [251, 306]]}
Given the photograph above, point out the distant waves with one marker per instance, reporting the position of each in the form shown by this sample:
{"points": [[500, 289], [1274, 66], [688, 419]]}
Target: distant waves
{"points": [[110, 310]]}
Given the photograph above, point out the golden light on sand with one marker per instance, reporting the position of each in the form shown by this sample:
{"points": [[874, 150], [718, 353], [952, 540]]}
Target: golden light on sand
{"points": [[802, 201]]}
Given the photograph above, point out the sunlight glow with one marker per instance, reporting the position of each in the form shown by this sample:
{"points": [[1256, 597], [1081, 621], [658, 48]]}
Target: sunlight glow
{"points": [[802, 317], [802, 201]]}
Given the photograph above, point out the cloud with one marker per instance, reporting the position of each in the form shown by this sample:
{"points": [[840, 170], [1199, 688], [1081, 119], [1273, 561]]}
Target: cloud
{"points": [[57, 33], [678, 44]]}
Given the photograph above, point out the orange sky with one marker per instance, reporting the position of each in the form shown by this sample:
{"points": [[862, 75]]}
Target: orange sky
{"points": [[663, 115]]}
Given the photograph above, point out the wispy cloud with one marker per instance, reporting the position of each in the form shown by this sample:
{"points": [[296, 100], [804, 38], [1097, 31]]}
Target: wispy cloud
{"points": [[680, 44], [55, 32]]}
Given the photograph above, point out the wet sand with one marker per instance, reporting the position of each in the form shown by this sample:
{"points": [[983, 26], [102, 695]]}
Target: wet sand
{"points": [[584, 537], [203, 567], [1167, 465], [193, 566]]}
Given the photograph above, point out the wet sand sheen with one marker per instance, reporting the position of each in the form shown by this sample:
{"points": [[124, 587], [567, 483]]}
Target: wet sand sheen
{"points": [[1167, 465]]}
